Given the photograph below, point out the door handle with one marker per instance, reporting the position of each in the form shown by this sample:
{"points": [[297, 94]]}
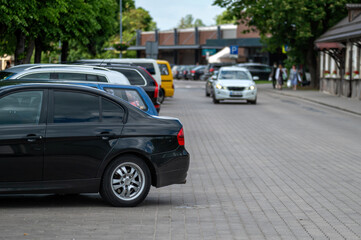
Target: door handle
{"points": [[106, 135], [33, 137]]}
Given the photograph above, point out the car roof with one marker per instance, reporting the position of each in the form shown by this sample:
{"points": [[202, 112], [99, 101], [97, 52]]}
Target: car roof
{"points": [[252, 64], [37, 66]]}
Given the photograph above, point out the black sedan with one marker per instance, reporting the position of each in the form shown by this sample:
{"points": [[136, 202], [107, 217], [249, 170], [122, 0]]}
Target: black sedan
{"points": [[57, 138]]}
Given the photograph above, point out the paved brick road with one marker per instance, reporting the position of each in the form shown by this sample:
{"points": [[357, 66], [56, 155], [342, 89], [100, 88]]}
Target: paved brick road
{"points": [[281, 169]]}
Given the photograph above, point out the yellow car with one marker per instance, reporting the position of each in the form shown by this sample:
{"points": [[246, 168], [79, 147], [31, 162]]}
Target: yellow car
{"points": [[167, 87]]}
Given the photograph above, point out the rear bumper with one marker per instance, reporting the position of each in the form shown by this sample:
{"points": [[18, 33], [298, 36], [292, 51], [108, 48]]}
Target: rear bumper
{"points": [[174, 171]]}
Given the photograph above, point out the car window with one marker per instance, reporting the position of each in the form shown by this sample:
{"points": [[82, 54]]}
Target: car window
{"points": [[148, 66], [43, 75], [163, 69], [72, 76], [111, 112], [5, 75], [129, 95], [133, 76], [102, 79], [229, 74], [75, 107], [21, 107], [92, 78]]}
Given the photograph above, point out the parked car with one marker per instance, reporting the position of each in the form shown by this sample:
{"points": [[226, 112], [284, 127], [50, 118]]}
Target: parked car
{"points": [[167, 87], [137, 76], [57, 138], [149, 64], [259, 71], [64, 72], [196, 72], [234, 83], [212, 67], [185, 71], [135, 95], [209, 84]]}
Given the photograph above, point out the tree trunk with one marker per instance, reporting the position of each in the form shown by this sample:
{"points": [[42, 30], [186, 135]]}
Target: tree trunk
{"points": [[312, 64], [64, 51], [38, 50], [29, 50], [20, 47]]}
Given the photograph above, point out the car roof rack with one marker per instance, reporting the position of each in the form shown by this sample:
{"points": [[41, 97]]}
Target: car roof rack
{"points": [[66, 66]]}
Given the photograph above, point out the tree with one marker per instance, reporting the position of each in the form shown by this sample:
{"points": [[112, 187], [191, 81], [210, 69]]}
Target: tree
{"points": [[188, 22], [225, 18], [295, 23]]}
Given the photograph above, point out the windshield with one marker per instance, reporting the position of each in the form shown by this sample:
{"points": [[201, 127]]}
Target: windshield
{"points": [[5, 75], [236, 75]]}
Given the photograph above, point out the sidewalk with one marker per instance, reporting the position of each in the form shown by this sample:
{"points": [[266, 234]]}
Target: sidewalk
{"points": [[342, 103]]}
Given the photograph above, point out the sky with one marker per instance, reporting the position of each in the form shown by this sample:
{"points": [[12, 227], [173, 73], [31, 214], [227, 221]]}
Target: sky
{"points": [[168, 13]]}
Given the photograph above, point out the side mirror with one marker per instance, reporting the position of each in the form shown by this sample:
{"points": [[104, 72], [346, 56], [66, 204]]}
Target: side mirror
{"points": [[214, 77], [255, 78]]}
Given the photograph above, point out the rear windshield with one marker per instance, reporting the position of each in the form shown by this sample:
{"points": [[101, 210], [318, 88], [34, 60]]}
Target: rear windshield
{"points": [[5, 75], [148, 66], [133, 76]]}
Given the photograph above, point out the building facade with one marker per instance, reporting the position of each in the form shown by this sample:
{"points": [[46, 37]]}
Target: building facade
{"points": [[194, 45], [340, 56]]}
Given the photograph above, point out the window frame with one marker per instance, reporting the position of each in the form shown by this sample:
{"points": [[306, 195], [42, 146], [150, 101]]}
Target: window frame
{"points": [[50, 115], [43, 110]]}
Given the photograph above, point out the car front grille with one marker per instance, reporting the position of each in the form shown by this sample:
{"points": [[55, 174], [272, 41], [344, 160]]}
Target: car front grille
{"points": [[236, 88]]}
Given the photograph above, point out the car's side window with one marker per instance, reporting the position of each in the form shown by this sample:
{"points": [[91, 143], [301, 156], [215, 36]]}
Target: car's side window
{"points": [[129, 95], [21, 107], [44, 75], [133, 76], [111, 112], [163, 69], [75, 107], [72, 76]]}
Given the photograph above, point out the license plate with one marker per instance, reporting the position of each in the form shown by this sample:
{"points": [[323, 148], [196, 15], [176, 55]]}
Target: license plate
{"points": [[235, 93]]}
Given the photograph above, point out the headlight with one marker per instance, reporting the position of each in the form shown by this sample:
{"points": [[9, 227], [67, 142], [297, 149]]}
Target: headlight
{"points": [[219, 86], [251, 87]]}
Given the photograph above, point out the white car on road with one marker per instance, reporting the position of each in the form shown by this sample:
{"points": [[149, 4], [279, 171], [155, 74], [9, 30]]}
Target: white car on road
{"points": [[234, 83]]}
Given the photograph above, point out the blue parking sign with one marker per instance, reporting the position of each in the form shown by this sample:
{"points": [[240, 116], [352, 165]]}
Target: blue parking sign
{"points": [[234, 50]]}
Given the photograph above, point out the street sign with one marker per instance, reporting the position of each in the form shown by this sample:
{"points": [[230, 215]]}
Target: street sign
{"points": [[151, 49], [209, 51], [234, 50]]}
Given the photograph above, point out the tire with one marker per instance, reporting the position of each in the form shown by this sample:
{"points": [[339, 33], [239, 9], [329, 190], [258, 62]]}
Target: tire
{"points": [[126, 182], [215, 101], [207, 93], [161, 96]]}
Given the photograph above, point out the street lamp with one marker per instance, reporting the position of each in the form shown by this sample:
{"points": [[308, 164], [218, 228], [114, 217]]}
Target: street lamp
{"points": [[121, 27]]}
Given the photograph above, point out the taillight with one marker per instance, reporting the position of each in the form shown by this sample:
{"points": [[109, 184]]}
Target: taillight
{"points": [[211, 70], [180, 137], [193, 71]]}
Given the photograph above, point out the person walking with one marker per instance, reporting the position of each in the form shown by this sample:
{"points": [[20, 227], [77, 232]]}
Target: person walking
{"points": [[281, 74], [294, 77], [272, 76]]}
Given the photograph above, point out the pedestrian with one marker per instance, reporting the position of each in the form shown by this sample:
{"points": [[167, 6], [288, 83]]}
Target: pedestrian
{"points": [[272, 76], [281, 75], [294, 77]]}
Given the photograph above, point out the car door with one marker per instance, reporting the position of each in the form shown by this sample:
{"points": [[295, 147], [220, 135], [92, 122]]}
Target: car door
{"points": [[22, 128], [82, 129]]}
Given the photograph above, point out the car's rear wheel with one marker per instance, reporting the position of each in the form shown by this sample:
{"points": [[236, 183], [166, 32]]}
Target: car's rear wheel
{"points": [[126, 182]]}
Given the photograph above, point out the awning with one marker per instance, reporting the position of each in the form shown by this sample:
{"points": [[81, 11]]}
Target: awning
{"points": [[329, 45], [222, 56]]}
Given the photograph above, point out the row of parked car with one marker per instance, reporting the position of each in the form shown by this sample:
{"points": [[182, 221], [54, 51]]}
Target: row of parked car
{"points": [[203, 72], [88, 127]]}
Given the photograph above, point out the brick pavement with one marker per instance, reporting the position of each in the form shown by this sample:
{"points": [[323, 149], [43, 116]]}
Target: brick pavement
{"points": [[281, 169]]}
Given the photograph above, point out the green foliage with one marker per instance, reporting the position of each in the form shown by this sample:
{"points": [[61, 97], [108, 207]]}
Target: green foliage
{"points": [[88, 25], [188, 22], [225, 18]]}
